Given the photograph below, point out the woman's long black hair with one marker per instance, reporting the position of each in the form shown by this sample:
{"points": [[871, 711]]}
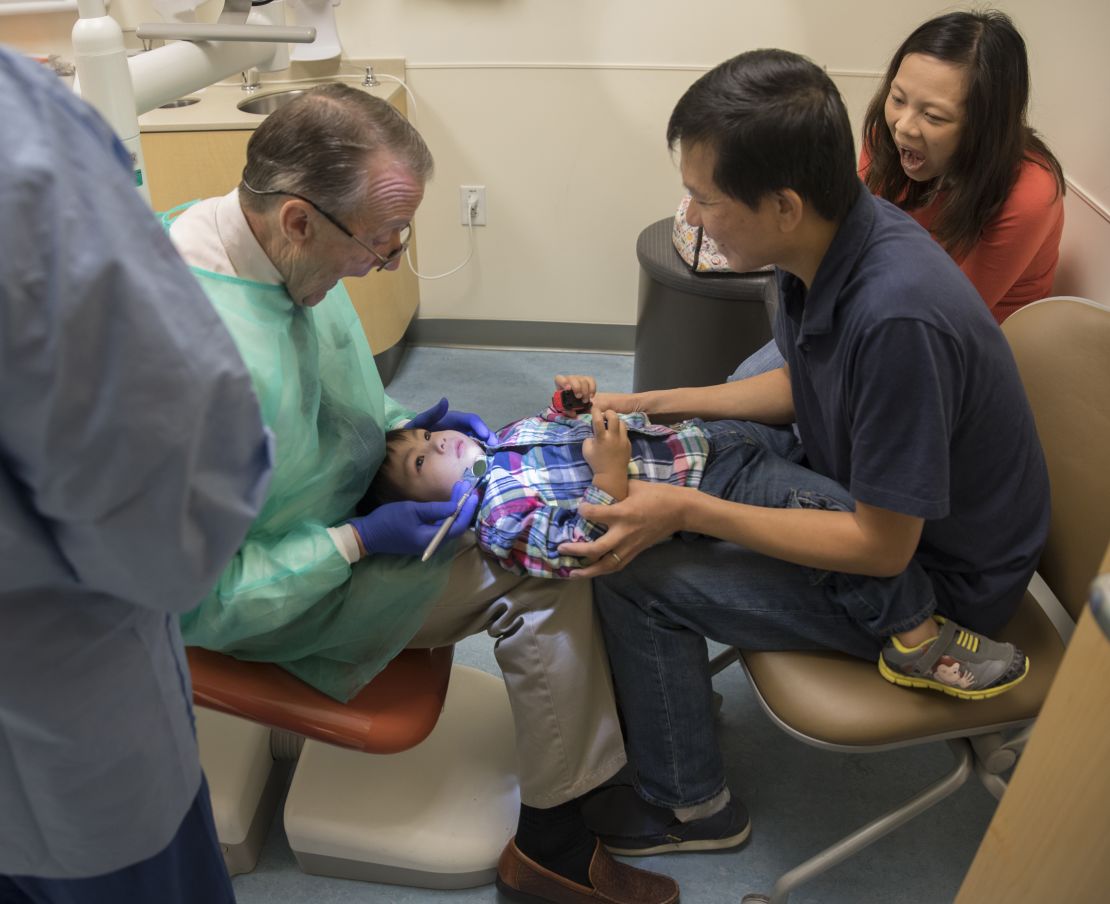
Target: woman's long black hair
{"points": [[995, 141]]}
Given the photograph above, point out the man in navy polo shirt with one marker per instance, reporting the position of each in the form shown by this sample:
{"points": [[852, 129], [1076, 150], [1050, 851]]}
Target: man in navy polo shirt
{"points": [[912, 513]]}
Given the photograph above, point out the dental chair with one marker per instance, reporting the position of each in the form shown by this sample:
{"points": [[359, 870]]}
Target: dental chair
{"points": [[839, 703], [411, 782]]}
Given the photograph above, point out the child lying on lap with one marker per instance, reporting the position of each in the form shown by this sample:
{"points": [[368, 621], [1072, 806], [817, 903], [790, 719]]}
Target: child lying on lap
{"points": [[538, 470]]}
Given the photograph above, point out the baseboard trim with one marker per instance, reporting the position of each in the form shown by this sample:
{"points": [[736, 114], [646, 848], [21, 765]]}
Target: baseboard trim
{"points": [[613, 338]]}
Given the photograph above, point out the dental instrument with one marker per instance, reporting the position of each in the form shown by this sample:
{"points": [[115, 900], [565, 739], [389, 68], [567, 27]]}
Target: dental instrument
{"points": [[476, 471]]}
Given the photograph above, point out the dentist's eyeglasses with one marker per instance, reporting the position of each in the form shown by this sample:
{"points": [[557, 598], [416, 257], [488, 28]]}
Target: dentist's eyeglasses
{"points": [[384, 260]]}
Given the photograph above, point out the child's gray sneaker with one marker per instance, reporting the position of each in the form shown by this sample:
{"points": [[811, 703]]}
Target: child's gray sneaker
{"points": [[958, 662]]}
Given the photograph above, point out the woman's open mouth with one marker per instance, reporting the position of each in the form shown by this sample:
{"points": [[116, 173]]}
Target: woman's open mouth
{"points": [[912, 160]]}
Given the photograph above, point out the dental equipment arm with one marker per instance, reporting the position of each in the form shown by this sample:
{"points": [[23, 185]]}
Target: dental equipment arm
{"points": [[121, 88]]}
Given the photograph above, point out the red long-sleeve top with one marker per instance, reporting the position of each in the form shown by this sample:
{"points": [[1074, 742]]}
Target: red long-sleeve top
{"points": [[1014, 261]]}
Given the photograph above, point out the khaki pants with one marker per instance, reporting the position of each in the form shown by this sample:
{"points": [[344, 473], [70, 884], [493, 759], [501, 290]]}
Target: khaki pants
{"points": [[549, 648]]}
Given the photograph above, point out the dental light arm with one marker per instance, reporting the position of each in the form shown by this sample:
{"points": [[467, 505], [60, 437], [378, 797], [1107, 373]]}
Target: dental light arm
{"points": [[121, 89], [195, 31]]}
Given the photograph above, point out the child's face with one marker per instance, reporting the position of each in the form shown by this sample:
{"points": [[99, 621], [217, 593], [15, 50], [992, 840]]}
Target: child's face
{"points": [[428, 463]]}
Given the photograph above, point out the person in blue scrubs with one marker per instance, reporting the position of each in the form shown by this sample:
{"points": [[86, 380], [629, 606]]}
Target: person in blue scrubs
{"points": [[885, 532], [133, 458]]}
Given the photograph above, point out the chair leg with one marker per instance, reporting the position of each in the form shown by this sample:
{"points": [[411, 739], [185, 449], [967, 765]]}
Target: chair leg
{"points": [[995, 784], [994, 755], [852, 844], [723, 660]]}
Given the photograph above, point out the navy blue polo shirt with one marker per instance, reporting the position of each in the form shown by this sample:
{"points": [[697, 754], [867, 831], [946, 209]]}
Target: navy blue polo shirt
{"points": [[907, 394]]}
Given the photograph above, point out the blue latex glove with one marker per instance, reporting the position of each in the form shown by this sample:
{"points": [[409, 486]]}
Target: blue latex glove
{"points": [[406, 528], [438, 417]]}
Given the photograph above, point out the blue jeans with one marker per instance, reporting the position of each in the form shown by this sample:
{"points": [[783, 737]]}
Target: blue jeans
{"points": [[657, 612], [759, 362]]}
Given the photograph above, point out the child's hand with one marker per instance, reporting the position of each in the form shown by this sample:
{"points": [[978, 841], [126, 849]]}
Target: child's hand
{"points": [[608, 452], [585, 388]]}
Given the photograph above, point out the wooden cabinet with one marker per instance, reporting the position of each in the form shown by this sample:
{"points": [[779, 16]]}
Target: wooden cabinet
{"points": [[187, 166], [1048, 838]]}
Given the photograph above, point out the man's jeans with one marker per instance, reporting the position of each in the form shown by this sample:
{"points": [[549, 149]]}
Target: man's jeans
{"points": [[656, 613], [759, 362]]}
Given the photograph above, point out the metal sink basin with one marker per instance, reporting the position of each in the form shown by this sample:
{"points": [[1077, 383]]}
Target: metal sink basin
{"points": [[180, 102], [264, 104]]}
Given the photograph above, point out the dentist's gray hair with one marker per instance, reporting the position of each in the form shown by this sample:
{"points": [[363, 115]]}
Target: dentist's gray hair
{"points": [[320, 146]]}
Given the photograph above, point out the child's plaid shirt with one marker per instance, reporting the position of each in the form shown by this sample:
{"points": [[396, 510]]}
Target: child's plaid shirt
{"points": [[538, 476]]}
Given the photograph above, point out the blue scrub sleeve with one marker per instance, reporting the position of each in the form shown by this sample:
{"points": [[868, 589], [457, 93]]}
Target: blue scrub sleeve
{"points": [[133, 454]]}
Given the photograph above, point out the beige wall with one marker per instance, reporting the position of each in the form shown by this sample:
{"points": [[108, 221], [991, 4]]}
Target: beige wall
{"points": [[559, 108]]}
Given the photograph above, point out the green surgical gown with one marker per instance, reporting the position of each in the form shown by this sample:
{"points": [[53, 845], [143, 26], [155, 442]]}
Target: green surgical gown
{"points": [[289, 596]]}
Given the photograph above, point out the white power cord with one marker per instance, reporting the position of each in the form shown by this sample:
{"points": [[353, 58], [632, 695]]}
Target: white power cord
{"points": [[472, 210], [408, 91]]}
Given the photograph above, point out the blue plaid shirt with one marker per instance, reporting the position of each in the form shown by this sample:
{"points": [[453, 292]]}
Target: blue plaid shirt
{"points": [[538, 476]]}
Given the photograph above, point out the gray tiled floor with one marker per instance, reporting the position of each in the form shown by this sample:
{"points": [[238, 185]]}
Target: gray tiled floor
{"points": [[800, 798]]}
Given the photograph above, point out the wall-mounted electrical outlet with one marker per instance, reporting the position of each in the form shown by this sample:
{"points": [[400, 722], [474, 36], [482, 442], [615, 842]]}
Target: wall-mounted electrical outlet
{"points": [[472, 205]]}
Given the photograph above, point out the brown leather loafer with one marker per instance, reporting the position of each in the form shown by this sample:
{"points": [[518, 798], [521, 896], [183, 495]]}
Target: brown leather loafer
{"points": [[524, 880]]}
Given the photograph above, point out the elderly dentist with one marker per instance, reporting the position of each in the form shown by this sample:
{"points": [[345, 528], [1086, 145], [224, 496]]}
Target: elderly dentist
{"points": [[132, 460], [331, 184]]}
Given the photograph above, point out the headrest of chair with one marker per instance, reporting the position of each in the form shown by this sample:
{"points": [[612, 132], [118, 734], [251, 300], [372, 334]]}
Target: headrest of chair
{"points": [[1062, 347]]}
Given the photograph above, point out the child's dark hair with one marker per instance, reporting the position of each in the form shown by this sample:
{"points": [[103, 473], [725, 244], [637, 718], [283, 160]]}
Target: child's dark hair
{"points": [[385, 487]]}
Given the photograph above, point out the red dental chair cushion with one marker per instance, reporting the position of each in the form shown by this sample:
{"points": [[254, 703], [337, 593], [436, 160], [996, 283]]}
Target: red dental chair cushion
{"points": [[396, 711]]}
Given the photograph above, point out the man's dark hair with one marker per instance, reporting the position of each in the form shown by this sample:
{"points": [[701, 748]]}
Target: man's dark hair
{"points": [[995, 139], [320, 146], [775, 121]]}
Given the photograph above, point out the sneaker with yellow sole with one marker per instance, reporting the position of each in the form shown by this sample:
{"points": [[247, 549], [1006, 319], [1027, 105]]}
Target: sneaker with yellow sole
{"points": [[957, 662]]}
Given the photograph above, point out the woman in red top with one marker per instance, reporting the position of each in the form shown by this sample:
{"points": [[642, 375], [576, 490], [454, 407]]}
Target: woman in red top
{"points": [[946, 139]]}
